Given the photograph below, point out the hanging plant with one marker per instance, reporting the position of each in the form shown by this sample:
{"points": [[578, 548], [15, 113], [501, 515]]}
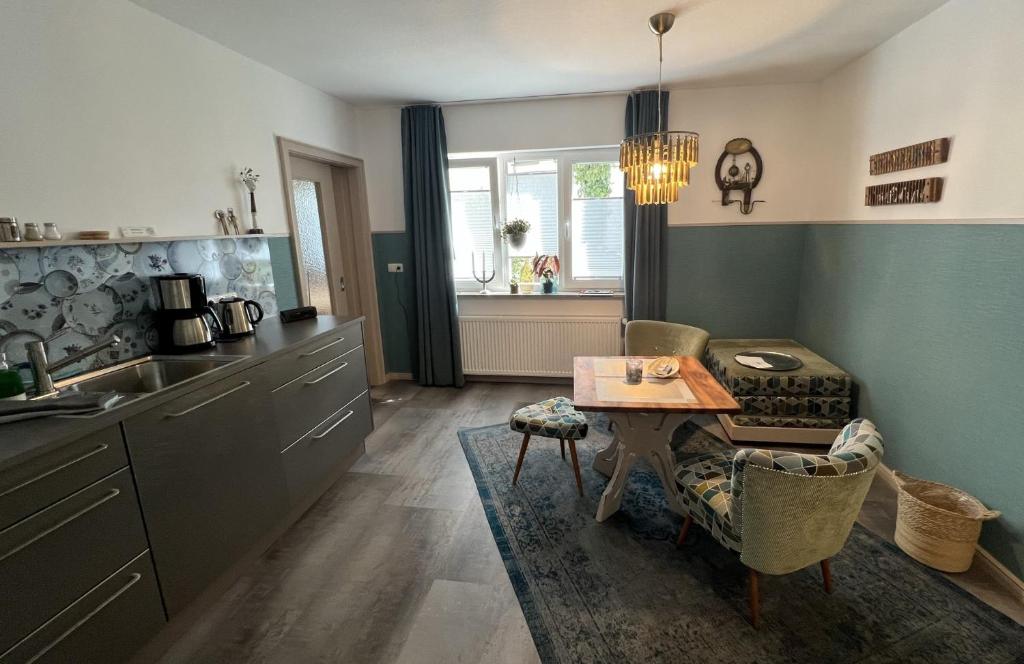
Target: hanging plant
{"points": [[514, 232]]}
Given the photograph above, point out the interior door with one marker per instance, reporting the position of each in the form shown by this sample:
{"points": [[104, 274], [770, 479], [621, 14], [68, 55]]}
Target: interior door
{"points": [[317, 237]]}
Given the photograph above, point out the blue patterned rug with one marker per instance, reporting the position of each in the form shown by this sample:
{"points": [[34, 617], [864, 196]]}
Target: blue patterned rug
{"points": [[621, 591]]}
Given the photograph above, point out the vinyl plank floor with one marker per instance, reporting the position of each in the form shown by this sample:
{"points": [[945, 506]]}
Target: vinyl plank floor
{"points": [[396, 562]]}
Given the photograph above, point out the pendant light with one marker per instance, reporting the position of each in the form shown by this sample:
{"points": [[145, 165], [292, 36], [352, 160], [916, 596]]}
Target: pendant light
{"points": [[657, 164]]}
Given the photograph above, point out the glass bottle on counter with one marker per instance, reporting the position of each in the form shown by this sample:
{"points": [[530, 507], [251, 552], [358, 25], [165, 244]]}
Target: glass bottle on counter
{"points": [[11, 387]]}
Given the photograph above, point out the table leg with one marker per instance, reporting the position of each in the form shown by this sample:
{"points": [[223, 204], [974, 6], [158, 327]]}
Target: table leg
{"points": [[604, 461], [646, 435]]}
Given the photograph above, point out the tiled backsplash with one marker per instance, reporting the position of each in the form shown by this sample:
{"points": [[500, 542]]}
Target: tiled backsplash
{"points": [[70, 296]]}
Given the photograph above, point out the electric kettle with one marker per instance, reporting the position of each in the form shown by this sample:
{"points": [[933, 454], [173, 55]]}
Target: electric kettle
{"points": [[238, 317]]}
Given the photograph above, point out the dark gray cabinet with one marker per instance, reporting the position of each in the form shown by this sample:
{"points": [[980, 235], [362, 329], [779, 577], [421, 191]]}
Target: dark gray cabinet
{"points": [[31, 486], [108, 624], [209, 479], [311, 459]]}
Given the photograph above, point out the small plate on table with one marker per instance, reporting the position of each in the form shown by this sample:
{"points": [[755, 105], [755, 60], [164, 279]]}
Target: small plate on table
{"points": [[663, 367]]}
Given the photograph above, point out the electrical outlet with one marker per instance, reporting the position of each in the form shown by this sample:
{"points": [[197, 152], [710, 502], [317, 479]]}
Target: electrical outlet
{"points": [[396, 267]]}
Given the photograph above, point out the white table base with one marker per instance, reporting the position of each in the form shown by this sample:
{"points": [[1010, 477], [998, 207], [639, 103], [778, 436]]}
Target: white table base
{"points": [[646, 435]]}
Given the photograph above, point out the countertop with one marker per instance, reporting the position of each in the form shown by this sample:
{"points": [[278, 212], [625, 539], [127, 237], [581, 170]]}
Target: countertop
{"points": [[20, 441]]}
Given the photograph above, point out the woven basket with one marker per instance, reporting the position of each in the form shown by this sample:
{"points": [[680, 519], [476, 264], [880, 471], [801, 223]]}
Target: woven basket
{"points": [[937, 524]]}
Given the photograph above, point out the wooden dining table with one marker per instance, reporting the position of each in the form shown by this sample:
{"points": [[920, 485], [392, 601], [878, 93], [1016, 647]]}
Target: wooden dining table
{"points": [[644, 418]]}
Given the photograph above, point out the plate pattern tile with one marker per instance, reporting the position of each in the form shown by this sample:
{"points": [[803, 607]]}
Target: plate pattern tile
{"points": [[73, 296]]}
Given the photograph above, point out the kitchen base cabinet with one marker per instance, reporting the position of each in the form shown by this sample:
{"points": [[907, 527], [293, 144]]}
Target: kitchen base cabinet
{"points": [[52, 558], [209, 479], [309, 460], [108, 624]]}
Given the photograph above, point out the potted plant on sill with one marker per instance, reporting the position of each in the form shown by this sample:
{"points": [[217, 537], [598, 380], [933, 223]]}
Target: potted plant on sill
{"points": [[546, 268], [514, 232], [513, 287]]}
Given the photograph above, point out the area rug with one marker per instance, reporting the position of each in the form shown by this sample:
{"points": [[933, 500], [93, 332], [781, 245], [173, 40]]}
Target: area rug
{"points": [[621, 591]]}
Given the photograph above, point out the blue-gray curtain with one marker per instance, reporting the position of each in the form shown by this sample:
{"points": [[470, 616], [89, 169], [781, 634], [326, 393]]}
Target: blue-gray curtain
{"points": [[427, 216], [645, 226]]}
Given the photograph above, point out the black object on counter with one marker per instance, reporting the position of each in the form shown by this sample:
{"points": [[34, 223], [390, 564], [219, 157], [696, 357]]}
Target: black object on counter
{"points": [[298, 313]]}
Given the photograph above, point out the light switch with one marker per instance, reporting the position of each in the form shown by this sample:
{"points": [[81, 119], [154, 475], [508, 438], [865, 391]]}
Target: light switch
{"points": [[396, 267]]}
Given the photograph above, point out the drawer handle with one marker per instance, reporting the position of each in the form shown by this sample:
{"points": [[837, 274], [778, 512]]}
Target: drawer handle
{"points": [[132, 580], [99, 448], [324, 347], [328, 374], [113, 493], [196, 407], [335, 425]]}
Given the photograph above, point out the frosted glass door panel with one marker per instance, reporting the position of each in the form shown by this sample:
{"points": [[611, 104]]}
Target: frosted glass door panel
{"points": [[309, 225]]}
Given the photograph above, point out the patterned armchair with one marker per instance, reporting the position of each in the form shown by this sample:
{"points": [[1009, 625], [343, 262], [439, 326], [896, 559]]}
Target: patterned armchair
{"points": [[781, 511]]}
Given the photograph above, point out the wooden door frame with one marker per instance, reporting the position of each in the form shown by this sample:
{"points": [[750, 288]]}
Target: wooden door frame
{"points": [[351, 241]]}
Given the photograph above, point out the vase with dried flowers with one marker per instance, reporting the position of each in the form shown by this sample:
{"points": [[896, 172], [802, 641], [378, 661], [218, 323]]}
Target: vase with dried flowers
{"points": [[546, 269], [249, 179]]}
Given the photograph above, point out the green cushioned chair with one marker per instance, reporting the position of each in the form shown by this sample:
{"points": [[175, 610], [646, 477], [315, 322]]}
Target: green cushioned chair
{"points": [[781, 511], [657, 338]]}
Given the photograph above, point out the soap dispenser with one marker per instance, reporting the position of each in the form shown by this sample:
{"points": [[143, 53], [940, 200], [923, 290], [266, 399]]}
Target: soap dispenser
{"points": [[11, 387]]}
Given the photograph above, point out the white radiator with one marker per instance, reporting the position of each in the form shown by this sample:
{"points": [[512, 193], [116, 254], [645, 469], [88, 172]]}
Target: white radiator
{"points": [[534, 345]]}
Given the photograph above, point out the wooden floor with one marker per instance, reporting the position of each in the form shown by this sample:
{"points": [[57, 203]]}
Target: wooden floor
{"points": [[396, 562]]}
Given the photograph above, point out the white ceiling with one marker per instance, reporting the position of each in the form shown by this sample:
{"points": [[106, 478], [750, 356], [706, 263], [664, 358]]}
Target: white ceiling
{"points": [[389, 51]]}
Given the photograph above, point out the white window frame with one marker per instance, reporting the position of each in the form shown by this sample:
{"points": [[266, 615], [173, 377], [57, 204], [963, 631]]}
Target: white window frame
{"points": [[499, 177], [500, 281]]}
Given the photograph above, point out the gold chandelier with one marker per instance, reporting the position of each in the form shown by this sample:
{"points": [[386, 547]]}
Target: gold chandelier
{"points": [[657, 164]]}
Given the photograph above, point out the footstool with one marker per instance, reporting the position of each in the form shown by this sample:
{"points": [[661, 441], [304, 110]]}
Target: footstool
{"points": [[553, 418], [810, 404]]}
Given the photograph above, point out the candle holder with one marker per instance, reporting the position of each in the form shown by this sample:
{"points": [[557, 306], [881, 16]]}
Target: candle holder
{"points": [[483, 279], [634, 372]]}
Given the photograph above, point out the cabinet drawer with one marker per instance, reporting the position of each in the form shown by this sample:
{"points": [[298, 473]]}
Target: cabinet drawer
{"points": [[55, 556], [208, 470], [315, 353], [108, 624], [39, 482], [311, 458], [305, 401]]}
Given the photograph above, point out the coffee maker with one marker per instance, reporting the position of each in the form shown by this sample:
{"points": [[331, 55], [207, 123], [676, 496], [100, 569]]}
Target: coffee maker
{"points": [[183, 318]]}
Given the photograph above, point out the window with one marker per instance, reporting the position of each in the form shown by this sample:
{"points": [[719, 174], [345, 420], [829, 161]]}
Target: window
{"points": [[474, 210], [572, 199]]}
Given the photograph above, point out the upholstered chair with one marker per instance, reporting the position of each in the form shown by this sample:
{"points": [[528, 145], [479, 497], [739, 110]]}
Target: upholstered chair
{"points": [[781, 511], [654, 337]]}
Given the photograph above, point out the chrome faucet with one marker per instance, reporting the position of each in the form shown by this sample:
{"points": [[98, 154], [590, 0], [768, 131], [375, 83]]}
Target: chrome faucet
{"points": [[42, 369]]}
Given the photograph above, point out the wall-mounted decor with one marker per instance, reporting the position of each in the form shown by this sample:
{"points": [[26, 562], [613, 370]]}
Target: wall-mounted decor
{"points": [[71, 296], [926, 190], [739, 169], [928, 153]]}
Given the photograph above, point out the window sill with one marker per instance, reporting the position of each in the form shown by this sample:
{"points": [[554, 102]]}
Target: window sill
{"points": [[561, 294]]}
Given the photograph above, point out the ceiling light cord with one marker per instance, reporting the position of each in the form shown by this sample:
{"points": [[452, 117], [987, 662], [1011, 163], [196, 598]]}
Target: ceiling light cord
{"points": [[660, 57]]}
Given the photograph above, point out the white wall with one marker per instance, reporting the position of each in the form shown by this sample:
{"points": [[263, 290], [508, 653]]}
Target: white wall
{"points": [[779, 119], [955, 73], [111, 115]]}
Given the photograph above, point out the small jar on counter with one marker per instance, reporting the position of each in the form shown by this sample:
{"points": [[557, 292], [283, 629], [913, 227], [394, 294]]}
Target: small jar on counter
{"points": [[51, 232], [32, 232]]}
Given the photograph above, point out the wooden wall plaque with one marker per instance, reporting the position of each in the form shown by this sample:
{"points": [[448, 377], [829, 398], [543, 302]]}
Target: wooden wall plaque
{"points": [[928, 153], [926, 190]]}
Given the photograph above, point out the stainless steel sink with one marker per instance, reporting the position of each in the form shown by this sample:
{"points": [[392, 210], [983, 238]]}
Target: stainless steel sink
{"points": [[144, 375]]}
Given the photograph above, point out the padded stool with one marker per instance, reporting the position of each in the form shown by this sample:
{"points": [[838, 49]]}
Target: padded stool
{"points": [[554, 418]]}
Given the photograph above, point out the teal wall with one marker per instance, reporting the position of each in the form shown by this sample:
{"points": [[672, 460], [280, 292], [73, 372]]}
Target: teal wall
{"points": [[395, 290], [929, 320], [282, 262], [735, 281]]}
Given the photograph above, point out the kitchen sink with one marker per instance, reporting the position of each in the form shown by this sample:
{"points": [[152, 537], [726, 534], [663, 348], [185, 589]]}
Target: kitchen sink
{"points": [[144, 375]]}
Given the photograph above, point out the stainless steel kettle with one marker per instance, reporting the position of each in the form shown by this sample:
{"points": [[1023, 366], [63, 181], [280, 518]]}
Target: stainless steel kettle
{"points": [[238, 317]]}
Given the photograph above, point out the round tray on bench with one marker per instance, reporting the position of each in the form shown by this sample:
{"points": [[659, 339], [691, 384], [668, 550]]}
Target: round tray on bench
{"points": [[778, 361]]}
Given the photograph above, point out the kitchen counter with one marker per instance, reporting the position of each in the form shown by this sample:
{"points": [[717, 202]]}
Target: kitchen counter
{"points": [[20, 441]]}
